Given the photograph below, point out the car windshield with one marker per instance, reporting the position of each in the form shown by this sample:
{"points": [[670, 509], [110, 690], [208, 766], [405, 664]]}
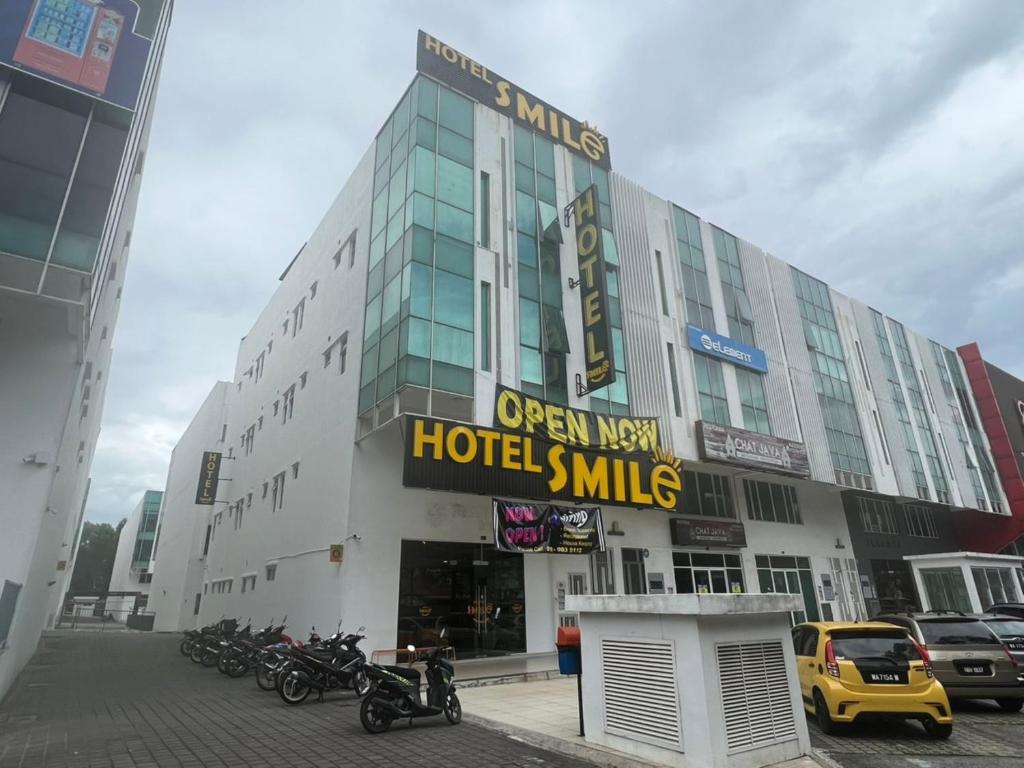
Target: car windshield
{"points": [[956, 632], [884, 644], [1007, 627]]}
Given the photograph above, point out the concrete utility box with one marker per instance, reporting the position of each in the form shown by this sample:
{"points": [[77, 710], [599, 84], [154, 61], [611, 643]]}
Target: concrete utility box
{"points": [[692, 680]]}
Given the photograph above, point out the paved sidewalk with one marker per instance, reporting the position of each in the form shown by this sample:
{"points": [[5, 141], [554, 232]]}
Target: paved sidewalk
{"points": [[131, 701], [545, 713]]}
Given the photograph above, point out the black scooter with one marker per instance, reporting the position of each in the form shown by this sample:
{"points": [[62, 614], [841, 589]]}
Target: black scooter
{"points": [[338, 664], [396, 693]]}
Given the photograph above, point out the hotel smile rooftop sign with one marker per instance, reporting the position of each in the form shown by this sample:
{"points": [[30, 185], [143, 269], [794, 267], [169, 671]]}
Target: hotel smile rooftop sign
{"points": [[455, 69]]}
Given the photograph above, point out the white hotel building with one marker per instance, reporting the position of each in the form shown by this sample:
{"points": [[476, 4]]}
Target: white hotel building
{"points": [[437, 274]]}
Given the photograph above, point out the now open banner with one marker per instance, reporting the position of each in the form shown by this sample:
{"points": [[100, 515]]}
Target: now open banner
{"points": [[521, 527]]}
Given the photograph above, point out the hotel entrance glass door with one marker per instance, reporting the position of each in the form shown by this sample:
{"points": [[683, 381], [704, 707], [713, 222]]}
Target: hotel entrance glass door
{"points": [[473, 589]]}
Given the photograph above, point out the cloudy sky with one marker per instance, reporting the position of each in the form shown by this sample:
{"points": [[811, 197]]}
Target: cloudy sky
{"points": [[855, 140]]}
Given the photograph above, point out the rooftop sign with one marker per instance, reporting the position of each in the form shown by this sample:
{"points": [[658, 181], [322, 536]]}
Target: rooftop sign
{"points": [[447, 65]]}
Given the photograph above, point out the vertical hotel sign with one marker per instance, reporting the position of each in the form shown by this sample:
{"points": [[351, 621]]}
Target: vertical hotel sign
{"points": [[454, 69], [209, 477], [593, 283]]}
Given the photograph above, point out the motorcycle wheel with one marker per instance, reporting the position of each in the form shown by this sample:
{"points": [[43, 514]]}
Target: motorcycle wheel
{"points": [[453, 709], [266, 677], [196, 653], [186, 646], [237, 667], [360, 683], [292, 691], [224, 664], [210, 658], [374, 718]]}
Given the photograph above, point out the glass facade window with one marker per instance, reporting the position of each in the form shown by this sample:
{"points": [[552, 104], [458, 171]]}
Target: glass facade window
{"points": [[734, 291], [877, 516], [995, 585], [832, 383], [771, 502], [920, 521], [920, 413], [753, 402], [779, 574], [420, 297], [705, 573], [146, 532], [614, 398], [946, 589], [542, 335], [707, 495], [900, 403], [949, 371], [696, 288], [714, 407], [39, 142], [677, 405]]}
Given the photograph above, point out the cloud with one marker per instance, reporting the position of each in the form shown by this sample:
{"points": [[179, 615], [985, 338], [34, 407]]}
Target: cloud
{"points": [[875, 145]]}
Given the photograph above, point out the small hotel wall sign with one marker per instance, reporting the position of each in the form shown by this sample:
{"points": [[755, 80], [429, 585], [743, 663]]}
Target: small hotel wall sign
{"points": [[685, 533], [444, 63], [209, 478], [751, 449], [723, 348]]}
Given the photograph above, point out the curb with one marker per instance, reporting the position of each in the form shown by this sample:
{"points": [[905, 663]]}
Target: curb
{"points": [[822, 758], [597, 755]]}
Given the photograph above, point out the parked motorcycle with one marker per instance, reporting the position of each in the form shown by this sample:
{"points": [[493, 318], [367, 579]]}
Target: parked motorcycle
{"points": [[241, 653], [276, 656], [338, 664], [222, 627], [206, 648], [396, 694]]}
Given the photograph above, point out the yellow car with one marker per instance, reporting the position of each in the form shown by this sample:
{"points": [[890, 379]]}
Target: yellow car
{"points": [[850, 670]]}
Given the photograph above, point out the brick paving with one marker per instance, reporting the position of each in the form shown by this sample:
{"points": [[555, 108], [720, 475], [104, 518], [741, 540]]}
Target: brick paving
{"points": [[983, 735], [131, 700]]}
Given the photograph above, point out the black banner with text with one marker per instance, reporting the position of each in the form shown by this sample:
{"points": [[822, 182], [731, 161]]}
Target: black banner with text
{"points": [[521, 527]]}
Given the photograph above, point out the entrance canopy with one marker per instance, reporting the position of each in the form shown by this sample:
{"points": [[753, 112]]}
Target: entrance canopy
{"points": [[969, 582]]}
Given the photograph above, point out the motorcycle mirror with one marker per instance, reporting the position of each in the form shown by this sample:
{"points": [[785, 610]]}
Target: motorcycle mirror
{"points": [[411, 648], [361, 630]]}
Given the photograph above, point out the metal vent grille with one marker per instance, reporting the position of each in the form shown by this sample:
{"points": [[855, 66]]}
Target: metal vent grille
{"points": [[756, 705], [641, 700]]}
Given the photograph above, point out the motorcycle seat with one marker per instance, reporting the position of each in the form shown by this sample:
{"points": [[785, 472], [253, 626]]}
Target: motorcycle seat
{"points": [[406, 672]]}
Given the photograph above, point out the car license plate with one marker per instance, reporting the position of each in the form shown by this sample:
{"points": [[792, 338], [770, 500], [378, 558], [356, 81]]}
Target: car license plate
{"points": [[1017, 645], [973, 669], [885, 678]]}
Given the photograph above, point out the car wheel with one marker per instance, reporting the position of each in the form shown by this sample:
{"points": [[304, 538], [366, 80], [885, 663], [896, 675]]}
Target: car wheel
{"points": [[1010, 705], [937, 730], [821, 715]]}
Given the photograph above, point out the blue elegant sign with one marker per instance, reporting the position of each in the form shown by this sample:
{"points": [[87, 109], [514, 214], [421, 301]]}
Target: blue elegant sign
{"points": [[724, 348]]}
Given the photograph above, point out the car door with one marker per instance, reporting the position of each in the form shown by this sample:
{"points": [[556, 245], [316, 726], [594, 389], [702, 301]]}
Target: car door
{"points": [[805, 643]]}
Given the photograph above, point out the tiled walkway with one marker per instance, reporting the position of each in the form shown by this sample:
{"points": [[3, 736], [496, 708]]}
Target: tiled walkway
{"points": [[123, 700]]}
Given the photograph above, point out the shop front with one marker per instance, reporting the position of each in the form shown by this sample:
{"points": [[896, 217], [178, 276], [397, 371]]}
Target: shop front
{"points": [[475, 590]]}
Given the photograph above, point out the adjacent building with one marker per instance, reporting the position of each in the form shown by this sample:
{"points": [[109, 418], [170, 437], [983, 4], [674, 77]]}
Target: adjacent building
{"points": [[452, 343], [130, 576], [77, 87], [184, 530]]}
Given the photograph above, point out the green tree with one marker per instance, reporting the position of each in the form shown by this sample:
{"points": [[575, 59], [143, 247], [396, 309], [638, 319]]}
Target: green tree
{"points": [[95, 558]]}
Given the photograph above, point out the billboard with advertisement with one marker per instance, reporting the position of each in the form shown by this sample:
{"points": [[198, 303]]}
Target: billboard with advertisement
{"points": [[96, 47]]}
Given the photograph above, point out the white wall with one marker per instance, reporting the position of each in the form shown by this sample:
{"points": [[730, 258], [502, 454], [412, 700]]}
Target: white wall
{"points": [[122, 579], [178, 563]]}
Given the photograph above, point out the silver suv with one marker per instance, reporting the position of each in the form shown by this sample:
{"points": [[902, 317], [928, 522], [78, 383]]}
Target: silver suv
{"points": [[969, 659]]}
